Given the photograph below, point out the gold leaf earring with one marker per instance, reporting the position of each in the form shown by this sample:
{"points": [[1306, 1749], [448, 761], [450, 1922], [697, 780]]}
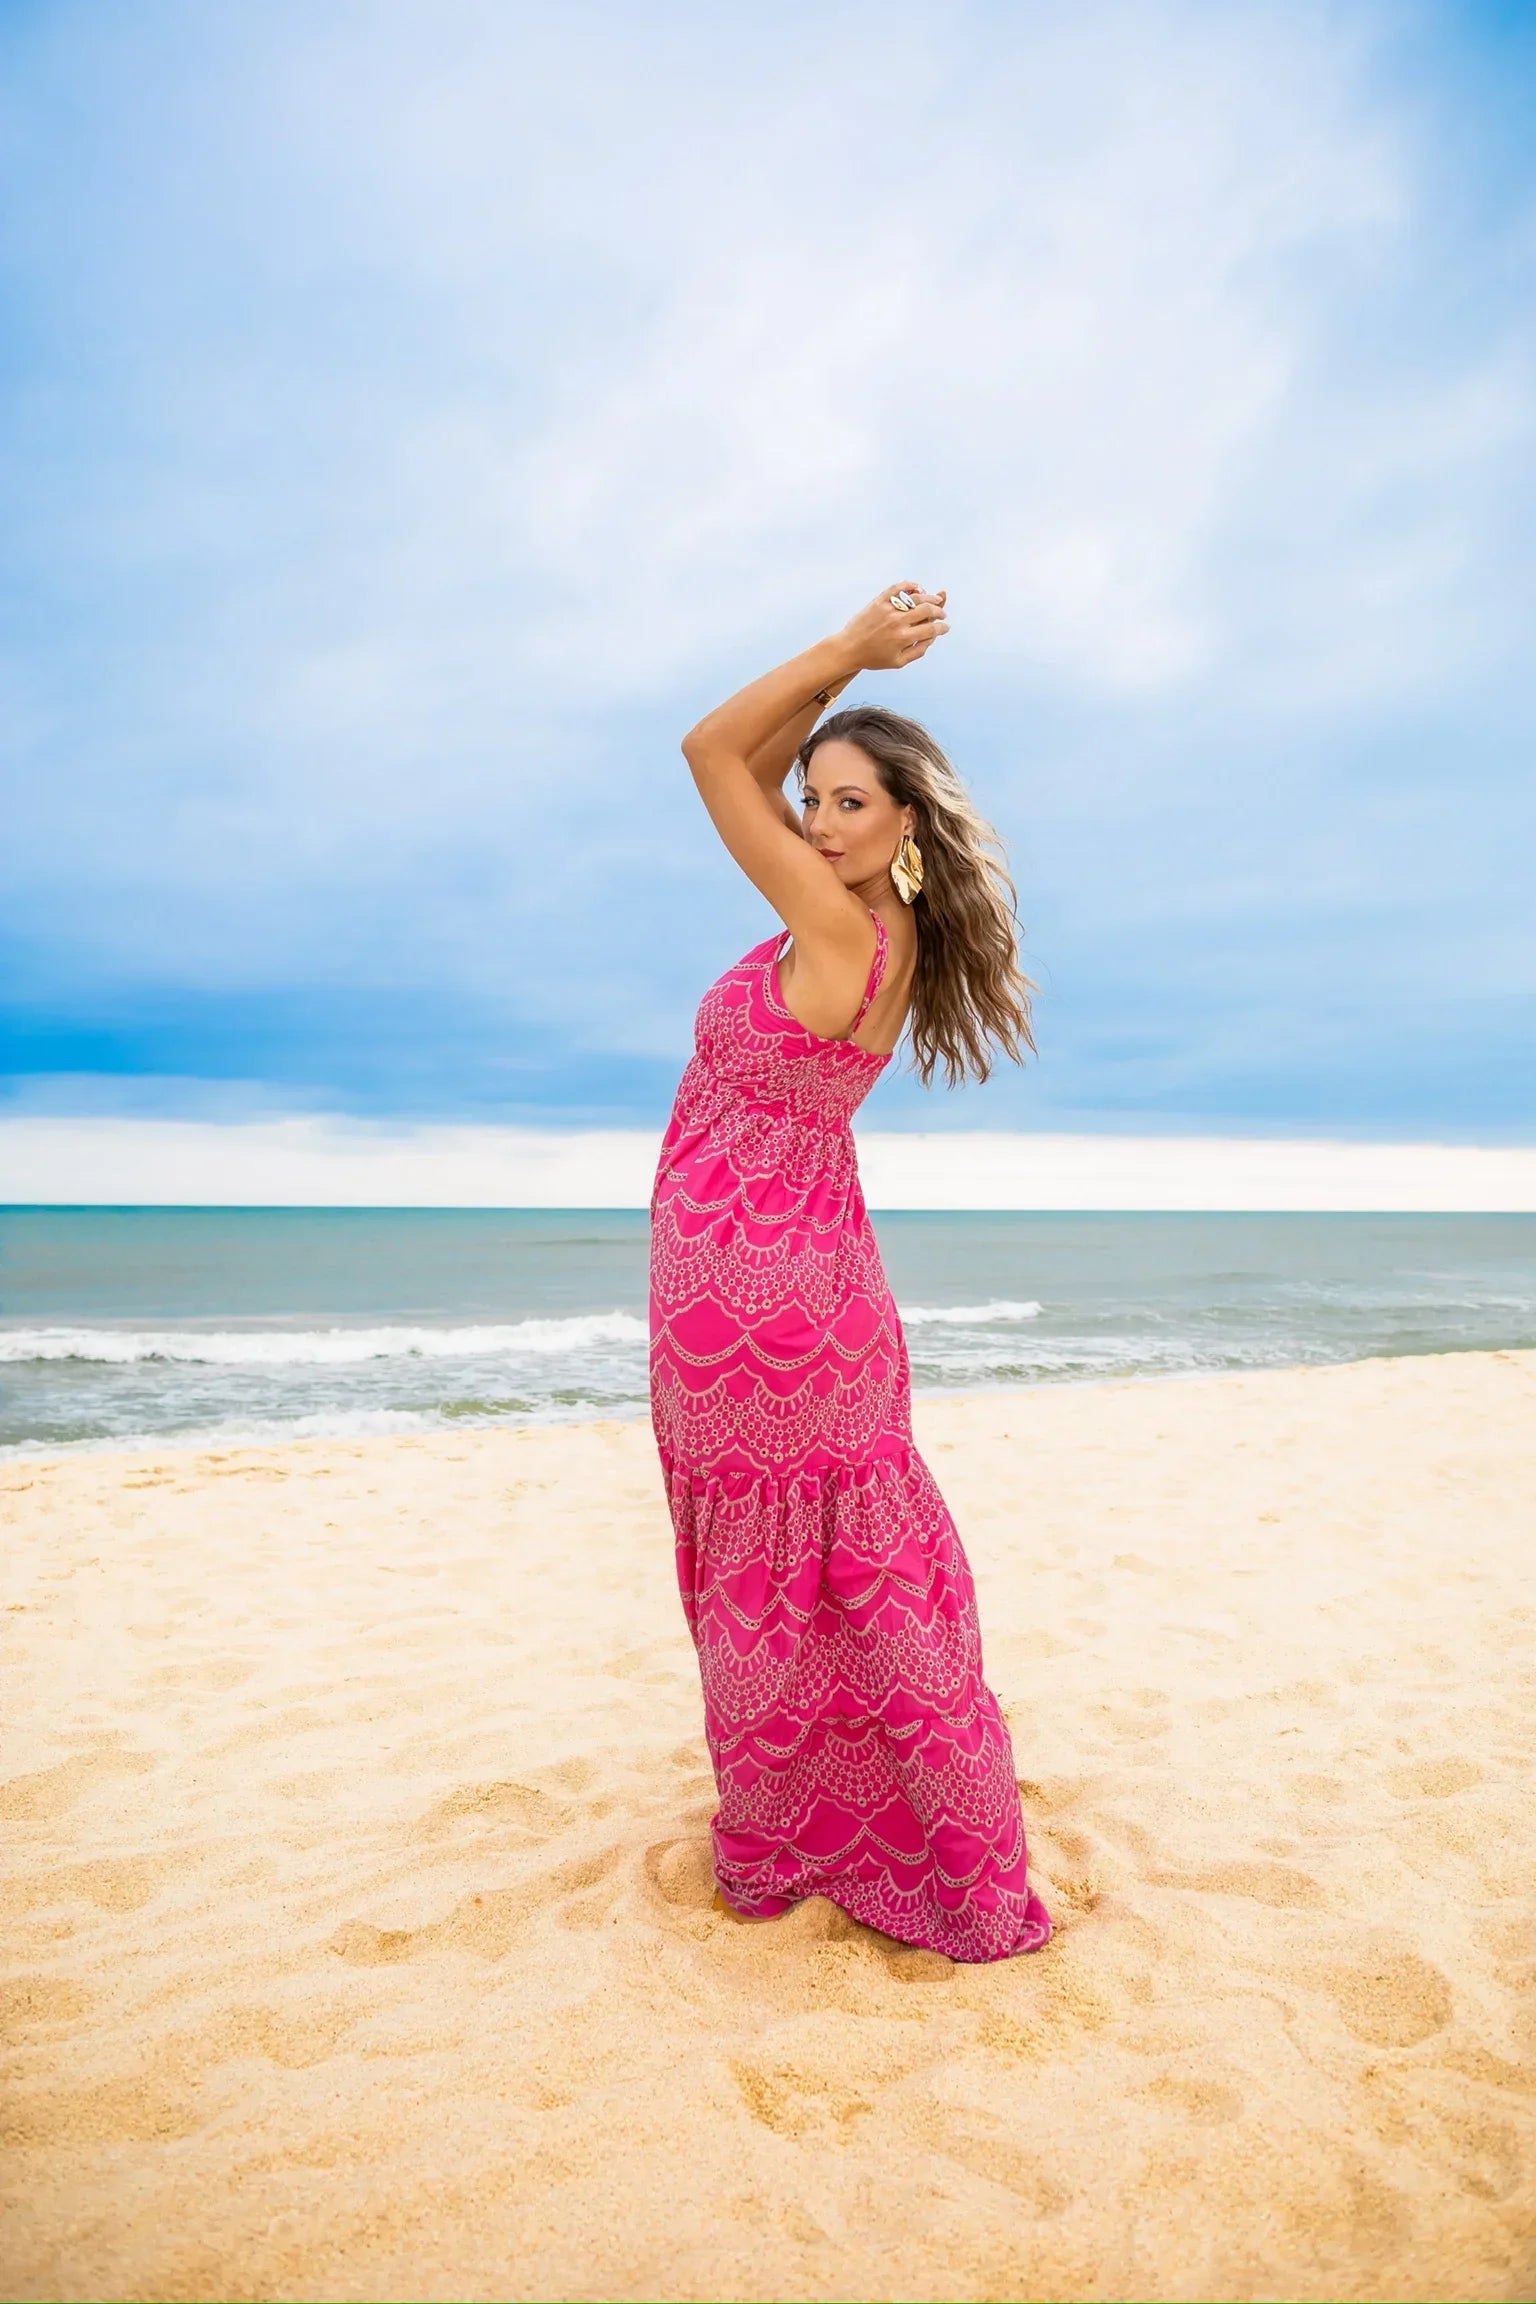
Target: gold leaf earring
{"points": [[907, 869]]}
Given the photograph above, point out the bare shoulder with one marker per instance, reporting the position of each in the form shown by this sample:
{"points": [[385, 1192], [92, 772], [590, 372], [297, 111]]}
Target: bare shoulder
{"points": [[824, 976]]}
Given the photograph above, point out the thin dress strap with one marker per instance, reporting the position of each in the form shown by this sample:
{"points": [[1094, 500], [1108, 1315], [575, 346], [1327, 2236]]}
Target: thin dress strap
{"points": [[780, 945], [876, 973]]}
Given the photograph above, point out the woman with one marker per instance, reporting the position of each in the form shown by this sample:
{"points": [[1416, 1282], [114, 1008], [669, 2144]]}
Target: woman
{"points": [[857, 1751]]}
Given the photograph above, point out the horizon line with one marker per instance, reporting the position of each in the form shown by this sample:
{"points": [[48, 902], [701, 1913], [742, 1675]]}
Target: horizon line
{"points": [[318, 1162]]}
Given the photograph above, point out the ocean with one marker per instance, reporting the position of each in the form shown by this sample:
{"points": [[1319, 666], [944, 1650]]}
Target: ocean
{"points": [[127, 1325]]}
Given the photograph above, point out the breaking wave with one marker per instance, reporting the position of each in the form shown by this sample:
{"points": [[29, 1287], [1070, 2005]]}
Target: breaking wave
{"points": [[318, 1347]]}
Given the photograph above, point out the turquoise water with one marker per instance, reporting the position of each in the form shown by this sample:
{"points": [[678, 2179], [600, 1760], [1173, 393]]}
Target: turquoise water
{"points": [[124, 1324]]}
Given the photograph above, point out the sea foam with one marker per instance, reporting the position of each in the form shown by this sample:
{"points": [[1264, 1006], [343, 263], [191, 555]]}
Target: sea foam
{"points": [[968, 1315], [318, 1347]]}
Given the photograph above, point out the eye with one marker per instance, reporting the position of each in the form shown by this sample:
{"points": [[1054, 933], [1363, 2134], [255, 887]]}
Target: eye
{"points": [[853, 803]]}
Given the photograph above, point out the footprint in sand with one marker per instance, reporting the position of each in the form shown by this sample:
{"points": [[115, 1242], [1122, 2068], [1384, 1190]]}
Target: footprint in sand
{"points": [[1072, 1890], [1508, 1939], [797, 2100], [362, 1945], [121, 1883], [1074, 1847], [916, 1964], [1488, 2156], [1154, 2040], [1072, 1897], [51, 1792], [682, 1873], [111, 1883], [218, 1674], [1312, 1692], [294, 2042], [1393, 2001], [1127, 1727], [314, 1784], [1492, 2071], [1043, 1645], [1433, 1779], [572, 1775], [142, 2108], [29, 2000], [648, 1665], [1204, 2100], [504, 1803], [488, 1924], [1483, 2155], [1056, 1792], [695, 1776], [1068, 2006], [1279, 1884], [991, 2149]]}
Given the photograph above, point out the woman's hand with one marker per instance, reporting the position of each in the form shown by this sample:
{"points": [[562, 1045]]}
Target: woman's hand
{"points": [[883, 637]]}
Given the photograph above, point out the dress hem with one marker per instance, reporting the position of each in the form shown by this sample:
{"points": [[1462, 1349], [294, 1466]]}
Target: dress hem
{"points": [[1034, 1934]]}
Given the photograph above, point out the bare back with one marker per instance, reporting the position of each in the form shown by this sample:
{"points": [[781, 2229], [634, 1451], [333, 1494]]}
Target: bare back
{"points": [[805, 991]]}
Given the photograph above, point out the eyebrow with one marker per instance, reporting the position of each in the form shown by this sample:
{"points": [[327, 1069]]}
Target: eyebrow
{"points": [[838, 788]]}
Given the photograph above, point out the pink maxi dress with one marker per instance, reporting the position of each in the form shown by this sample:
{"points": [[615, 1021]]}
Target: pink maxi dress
{"points": [[858, 1753]]}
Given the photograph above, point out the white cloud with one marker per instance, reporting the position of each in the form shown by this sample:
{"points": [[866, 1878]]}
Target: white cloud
{"points": [[1062, 318], [517, 376], [319, 1163], [695, 333]]}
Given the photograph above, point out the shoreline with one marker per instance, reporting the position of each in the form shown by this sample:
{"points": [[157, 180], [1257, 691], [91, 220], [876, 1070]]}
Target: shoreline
{"points": [[193, 1442], [359, 1937]]}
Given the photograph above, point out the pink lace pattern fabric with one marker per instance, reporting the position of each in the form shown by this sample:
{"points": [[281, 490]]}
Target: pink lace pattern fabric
{"points": [[858, 1752]]}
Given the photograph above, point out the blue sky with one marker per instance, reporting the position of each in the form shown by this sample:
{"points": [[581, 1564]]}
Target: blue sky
{"points": [[414, 416]]}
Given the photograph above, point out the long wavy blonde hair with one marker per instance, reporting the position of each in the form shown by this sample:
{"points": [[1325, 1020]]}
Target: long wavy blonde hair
{"points": [[971, 996]]}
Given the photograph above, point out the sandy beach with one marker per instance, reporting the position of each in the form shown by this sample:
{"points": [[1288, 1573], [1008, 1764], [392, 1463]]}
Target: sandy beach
{"points": [[359, 1938]]}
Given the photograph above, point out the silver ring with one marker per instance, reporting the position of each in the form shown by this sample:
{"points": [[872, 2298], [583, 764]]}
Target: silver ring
{"points": [[903, 601]]}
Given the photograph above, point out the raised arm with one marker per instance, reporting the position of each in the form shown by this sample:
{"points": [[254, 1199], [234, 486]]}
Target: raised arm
{"points": [[734, 749], [771, 762]]}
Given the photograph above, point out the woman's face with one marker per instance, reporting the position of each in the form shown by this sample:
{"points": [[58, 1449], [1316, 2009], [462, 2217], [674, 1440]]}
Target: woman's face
{"points": [[849, 816]]}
